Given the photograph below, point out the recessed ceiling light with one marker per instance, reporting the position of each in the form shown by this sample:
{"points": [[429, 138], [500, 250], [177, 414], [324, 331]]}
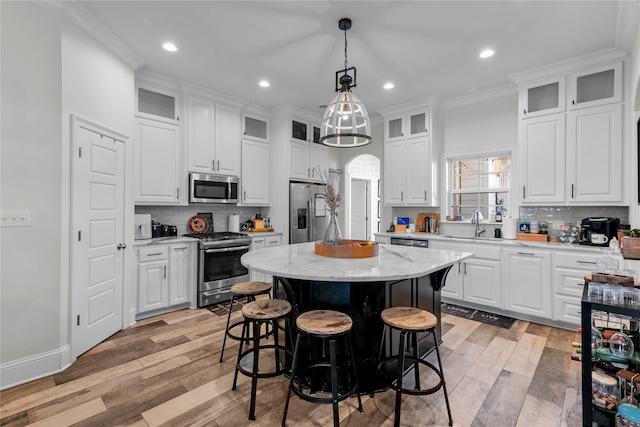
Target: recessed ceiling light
{"points": [[170, 47], [487, 53], [264, 83], [388, 86]]}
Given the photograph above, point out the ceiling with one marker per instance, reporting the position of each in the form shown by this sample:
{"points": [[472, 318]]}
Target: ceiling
{"points": [[425, 48]]}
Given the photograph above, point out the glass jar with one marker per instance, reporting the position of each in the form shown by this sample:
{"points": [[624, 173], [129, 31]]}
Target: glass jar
{"points": [[604, 391], [628, 416]]}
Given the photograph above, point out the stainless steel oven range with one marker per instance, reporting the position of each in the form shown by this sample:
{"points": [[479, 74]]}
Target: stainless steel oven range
{"points": [[219, 265]]}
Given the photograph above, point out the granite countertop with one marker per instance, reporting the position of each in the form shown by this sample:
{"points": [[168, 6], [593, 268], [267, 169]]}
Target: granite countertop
{"points": [[494, 241], [262, 233], [165, 240], [300, 261]]}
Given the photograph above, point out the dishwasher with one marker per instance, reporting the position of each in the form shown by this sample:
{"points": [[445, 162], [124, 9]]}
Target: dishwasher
{"points": [[410, 242]]}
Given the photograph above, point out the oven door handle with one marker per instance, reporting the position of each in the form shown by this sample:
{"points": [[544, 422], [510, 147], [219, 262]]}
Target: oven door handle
{"points": [[233, 248]]}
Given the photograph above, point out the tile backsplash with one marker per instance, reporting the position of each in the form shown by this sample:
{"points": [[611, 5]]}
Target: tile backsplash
{"points": [[572, 214], [179, 215]]}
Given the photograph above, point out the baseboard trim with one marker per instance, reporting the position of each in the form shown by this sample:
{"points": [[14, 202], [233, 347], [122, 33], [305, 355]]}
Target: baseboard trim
{"points": [[34, 367]]}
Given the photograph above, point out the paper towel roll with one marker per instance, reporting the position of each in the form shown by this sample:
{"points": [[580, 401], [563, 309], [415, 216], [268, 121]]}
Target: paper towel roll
{"points": [[234, 223], [509, 227]]}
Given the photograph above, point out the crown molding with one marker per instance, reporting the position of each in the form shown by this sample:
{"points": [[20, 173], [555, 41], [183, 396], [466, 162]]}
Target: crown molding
{"points": [[476, 97], [628, 14], [92, 26]]}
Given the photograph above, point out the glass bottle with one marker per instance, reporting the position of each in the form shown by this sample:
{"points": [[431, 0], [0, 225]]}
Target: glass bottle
{"points": [[333, 236]]}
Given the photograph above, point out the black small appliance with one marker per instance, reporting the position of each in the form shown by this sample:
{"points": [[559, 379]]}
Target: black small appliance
{"points": [[594, 228]]}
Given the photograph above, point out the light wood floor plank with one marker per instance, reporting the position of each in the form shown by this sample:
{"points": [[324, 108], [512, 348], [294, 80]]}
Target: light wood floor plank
{"points": [[490, 363], [526, 355], [73, 415], [504, 402], [539, 413]]}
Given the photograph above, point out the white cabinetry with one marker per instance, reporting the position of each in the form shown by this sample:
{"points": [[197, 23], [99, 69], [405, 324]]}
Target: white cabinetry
{"points": [[165, 276], [476, 280], [157, 103], [569, 269], [526, 277], [411, 155], [255, 128], [308, 159], [158, 170], [255, 173], [213, 137], [571, 150], [259, 242]]}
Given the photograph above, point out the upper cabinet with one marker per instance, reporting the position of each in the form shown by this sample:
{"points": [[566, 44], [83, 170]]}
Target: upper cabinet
{"points": [[596, 86], [255, 127], [157, 103], [571, 149], [213, 137], [411, 155], [543, 97], [255, 181], [308, 159]]}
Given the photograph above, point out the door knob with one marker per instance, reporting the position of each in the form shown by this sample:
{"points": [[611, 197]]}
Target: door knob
{"points": [[121, 246]]}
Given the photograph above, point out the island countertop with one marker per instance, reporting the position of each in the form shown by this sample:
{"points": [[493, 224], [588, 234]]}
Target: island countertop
{"points": [[299, 261]]}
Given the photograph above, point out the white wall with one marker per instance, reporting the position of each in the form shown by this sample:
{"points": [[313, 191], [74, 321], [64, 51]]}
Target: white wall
{"points": [[46, 75], [634, 114]]}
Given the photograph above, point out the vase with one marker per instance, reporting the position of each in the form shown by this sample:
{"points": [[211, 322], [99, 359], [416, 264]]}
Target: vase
{"points": [[333, 236]]}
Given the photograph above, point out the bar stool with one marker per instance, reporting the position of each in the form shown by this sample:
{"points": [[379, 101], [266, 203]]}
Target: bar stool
{"points": [[326, 325], [255, 314], [243, 289], [410, 321]]}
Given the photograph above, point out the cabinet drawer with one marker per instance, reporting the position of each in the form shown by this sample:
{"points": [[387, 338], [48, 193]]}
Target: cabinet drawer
{"points": [[153, 253], [567, 309], [272, 241], [577, 261]]}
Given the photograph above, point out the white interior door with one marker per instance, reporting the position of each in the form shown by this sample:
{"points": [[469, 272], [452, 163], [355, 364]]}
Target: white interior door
{"points": [[98, 164], [359, 215]]}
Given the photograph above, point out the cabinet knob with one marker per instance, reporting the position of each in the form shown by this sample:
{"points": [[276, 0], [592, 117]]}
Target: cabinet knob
{"points": [[524, 112]]}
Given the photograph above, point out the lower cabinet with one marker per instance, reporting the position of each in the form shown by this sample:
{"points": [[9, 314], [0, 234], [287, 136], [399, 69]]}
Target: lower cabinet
{"points": [[165, 276], [259, 242], [569, 269], [527, 281], [477, 279]]}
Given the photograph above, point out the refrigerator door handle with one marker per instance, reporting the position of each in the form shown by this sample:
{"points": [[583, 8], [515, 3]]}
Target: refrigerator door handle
{"points": [[309, 220]]}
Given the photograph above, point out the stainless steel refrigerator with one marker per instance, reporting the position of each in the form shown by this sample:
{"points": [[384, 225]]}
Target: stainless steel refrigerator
{"points": [[308, 216]]}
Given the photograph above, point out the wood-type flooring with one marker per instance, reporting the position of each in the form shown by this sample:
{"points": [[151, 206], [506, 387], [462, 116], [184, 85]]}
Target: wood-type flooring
{"points": [[164, 371]]}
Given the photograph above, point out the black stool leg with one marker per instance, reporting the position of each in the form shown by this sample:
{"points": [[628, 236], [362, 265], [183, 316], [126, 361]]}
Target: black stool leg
{"points": [[396, 421], [293, 373], [334, 382], [375, 373], [254, 376], [226, 329], [355, 371], [444, 385], [275, 341], [245, 326], [416, 369]]}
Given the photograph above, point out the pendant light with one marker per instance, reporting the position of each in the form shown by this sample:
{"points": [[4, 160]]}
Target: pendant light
{"points": [[345, 122]]}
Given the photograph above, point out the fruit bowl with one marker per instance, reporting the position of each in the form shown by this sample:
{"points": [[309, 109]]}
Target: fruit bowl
{"points": [[348, 249]]}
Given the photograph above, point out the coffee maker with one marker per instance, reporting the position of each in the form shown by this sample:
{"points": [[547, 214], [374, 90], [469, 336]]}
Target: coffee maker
{"points": [[598, 231]]}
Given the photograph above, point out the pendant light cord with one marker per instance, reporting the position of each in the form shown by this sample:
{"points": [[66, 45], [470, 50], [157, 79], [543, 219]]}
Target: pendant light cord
{"points": [[346, 65]]}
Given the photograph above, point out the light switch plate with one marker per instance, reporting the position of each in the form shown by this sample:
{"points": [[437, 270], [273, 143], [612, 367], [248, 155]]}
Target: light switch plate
{"points": [[15, 218]]}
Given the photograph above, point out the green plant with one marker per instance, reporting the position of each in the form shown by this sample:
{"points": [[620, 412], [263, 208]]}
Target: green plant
{"points": [[634, 233]]}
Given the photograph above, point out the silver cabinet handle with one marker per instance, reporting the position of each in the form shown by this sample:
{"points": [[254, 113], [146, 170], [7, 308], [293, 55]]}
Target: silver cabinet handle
{"points": [[308, 171], [526, 253], [178, 193], [218, 165], [523, 195], [213, 165], [572, 191], [165, 271], [155, 254], [244, 195], [425, 194], [586, 262], [465, 268], [402, 196]]}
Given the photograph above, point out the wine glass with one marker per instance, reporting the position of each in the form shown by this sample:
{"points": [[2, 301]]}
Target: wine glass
{"points": [[597, 339], [620, 344]]}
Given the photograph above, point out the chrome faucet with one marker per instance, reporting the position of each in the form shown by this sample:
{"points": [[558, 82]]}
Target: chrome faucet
{"points": [[475, 219]]}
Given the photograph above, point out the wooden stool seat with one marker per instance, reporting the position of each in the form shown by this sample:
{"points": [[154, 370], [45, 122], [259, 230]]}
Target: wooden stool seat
{"points": [[266, 309], [409, 318], [251, 288], [324, 322]]}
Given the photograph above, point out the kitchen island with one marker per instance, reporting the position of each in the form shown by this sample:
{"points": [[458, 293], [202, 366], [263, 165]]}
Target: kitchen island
{"points": [[361, 288]]}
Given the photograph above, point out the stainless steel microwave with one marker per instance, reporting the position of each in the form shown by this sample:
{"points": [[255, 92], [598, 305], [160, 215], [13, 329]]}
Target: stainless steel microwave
{"points": [[205, 188]]}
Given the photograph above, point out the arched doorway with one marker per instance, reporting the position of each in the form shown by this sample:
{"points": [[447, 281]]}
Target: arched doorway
{"points": [[362, 188]]}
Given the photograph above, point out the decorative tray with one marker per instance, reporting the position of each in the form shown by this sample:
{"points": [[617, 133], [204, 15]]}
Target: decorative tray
{"points": [[348, 249], [258, 230]]}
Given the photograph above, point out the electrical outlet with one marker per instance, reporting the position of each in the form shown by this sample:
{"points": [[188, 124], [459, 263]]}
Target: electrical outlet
{"points": [[15, 218]]}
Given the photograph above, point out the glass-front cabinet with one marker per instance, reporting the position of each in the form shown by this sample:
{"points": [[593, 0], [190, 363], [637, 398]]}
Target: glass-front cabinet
{"points": [[418, 124], [394, 129], [255, 128], [596, 86], [299, 130], [157, 103], [543, 97]]}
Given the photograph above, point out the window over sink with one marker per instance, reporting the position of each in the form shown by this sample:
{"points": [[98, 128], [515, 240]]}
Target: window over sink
{"points": [[478, 181]]}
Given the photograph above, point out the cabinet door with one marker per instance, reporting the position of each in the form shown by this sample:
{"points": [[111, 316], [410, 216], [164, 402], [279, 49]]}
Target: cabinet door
{"points": [[158, 160], [255, 173], [153, 102], [567, 278], [318, 160], [257, 243], [543, 159], [315, 133], [299, 130], [597, 86], [527, 282], [418, 172], [394, 173], [418, 124], [152, 285], [394, 129], [543, 97], [227, 140], [453, 288], [179, 275], [275, 240], [255, 128], [200, 135], [594, 155], [482, 283], [299, 160]]}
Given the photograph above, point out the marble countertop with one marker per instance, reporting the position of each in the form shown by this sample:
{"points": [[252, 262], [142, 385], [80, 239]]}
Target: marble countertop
{"points": [[262, 233], [165, 241], [493, 241], [299, 261]]}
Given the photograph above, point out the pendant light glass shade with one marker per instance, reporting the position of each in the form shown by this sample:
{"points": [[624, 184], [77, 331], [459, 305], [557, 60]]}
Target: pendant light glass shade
{"points": [[345, 122]]}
